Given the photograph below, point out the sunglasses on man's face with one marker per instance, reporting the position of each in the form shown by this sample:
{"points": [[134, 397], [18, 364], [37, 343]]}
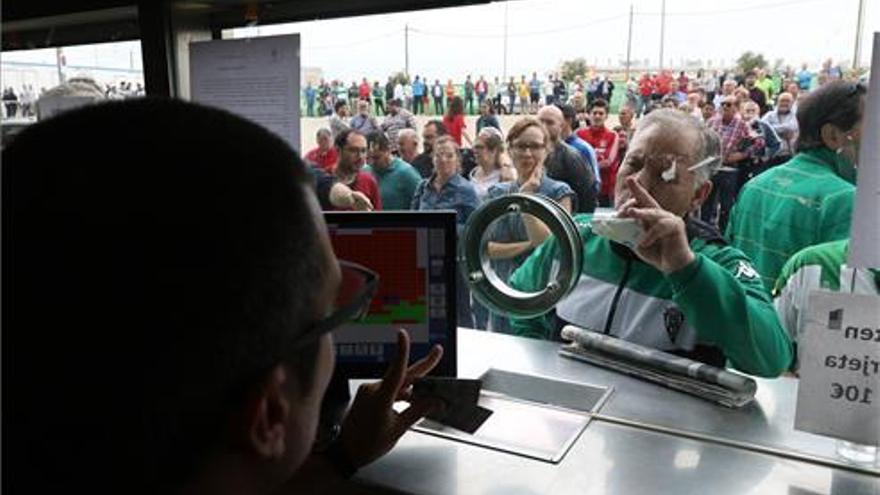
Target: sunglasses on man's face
{"points": [[356, 290]]}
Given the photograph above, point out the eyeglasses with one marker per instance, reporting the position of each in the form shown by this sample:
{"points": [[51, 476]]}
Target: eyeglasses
{"points": [[479, 147], [355, 151], [522, 148], [356, 290], [726, 104], [446, 155]]}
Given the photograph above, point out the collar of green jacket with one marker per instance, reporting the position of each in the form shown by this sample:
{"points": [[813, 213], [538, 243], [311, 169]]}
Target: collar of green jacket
{"points": [[835, 162]]}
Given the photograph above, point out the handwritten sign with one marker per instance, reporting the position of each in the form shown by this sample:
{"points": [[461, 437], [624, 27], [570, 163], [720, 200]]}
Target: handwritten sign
{"points": [[839, 390]]}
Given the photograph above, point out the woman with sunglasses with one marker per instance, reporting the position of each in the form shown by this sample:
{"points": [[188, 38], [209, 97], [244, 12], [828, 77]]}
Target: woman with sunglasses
{"points": [[513, 237], [493, 165], [809, 199], [446, 189]]}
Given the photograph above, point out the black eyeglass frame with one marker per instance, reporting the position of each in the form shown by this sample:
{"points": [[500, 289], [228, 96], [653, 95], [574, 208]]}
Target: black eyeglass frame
{"points": [[353, 311]]}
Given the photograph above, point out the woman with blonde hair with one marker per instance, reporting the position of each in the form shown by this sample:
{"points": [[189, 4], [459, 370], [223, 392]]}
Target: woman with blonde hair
{"points": [[446, 189], [493, 164]]}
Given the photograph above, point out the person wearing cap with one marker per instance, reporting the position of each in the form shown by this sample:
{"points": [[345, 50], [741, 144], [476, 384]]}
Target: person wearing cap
{"points": [[192, 346], [680, 288], [398, 118]]}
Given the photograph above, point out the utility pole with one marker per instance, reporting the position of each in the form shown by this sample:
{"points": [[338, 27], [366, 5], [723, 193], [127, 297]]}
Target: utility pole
{"points": [[505, 41], [629, 40], [662, 30], [406, 50], [860, 24], [59, 62]]}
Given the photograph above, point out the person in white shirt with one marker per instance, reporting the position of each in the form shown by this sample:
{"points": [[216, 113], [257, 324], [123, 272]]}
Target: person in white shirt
{"points": [[547, 90]]}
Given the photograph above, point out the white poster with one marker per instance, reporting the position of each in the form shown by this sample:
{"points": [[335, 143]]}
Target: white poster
{"points": [[840, 368], [257, 78], [864, 248]]}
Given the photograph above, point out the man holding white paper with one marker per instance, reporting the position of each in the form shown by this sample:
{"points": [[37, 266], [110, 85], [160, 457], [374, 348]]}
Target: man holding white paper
{"points": [[681, 289]]}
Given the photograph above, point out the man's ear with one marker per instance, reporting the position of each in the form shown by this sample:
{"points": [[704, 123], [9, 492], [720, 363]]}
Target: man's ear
{"points": [[832, 137], [266, 415], [701, 194]]}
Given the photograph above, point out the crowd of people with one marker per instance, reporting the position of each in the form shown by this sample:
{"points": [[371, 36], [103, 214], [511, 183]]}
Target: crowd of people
{"points": [[22, 103], [202, 284], [525, 95], [569, 154]]}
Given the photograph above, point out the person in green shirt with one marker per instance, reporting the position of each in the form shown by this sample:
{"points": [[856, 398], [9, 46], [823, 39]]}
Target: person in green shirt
{"points": [[766, 85], [809, 199], [819, 267], [397, 179], [682, 290]]}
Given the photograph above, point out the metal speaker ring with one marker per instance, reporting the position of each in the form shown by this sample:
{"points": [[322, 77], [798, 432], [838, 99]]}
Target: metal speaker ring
{"points": [[494, 292]]}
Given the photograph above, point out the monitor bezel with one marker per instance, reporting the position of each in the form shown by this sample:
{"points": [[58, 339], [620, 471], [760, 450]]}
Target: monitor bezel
{"points": [[445, 219]]}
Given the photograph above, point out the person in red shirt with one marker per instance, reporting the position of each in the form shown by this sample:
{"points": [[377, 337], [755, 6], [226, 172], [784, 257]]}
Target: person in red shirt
{"points": [[605, 142], [454, 121], [352, 148], [646, 88], [662, 85], [324, 156], [364, 90], [683, 82]]}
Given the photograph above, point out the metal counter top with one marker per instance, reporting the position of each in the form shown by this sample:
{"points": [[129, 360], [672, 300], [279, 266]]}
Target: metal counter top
{"points": [[646, 439]]}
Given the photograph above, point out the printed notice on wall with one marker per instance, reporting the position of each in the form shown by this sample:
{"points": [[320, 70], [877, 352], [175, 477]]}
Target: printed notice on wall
{"points": [[840, 368], [256, 78]]}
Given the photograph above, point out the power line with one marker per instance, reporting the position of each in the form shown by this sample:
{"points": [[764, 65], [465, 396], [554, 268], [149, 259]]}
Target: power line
{"points": [[519, 35], [733, 10], [359, 42]]}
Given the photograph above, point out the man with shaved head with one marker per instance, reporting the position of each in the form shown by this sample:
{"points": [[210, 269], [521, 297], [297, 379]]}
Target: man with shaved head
{"points": [[565, 164]]}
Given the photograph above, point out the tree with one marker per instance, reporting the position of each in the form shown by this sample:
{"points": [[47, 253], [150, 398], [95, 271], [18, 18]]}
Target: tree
{"points": [[400, 77], [572, 68], [750, 61]]}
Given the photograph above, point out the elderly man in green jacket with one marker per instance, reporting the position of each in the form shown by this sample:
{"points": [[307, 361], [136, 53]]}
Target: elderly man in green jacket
{"points": [[682, 289]]}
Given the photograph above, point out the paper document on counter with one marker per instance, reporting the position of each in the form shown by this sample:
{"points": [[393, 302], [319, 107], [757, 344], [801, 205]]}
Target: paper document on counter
{"points": [[686, 375]]}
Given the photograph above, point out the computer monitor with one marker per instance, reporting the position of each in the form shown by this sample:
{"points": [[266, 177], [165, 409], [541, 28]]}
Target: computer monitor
{"points": [[414, 254]]}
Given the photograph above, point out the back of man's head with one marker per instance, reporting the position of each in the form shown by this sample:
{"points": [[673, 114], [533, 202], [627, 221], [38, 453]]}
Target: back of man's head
{"points": [[150, 278]]}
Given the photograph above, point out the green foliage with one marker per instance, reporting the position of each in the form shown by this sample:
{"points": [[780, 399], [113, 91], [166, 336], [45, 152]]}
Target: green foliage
{"points": [[573, 68], [400, 77], [750, 61]]}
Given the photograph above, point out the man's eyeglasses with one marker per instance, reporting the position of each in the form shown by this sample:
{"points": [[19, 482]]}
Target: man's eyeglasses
{"points": [[726, 104], [355, 151], [356, 290]]}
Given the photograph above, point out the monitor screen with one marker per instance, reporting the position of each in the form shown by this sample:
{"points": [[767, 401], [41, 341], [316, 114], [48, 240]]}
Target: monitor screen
{"points": [[414, 256]]}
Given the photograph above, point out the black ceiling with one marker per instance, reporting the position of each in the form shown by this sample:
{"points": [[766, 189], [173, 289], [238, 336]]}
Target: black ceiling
{"points": [[45, 23]]}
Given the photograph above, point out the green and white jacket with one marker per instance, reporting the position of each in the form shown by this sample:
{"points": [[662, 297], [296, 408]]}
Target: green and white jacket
{"points": [[714, 309], [819, 267]]}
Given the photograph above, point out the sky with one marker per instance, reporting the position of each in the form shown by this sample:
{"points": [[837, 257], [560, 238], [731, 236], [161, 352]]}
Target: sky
{"points": [[453, 42]]}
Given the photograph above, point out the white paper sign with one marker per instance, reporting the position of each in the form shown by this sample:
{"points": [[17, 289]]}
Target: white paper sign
{"points": [[839, 390], [864, 248], [257, 78]]}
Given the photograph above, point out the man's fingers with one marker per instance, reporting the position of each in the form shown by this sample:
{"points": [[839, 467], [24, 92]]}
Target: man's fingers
{"points": [[423, 366], [394, 376], [623, 211], [649, 215], [640, 193], [656, 232], [416, 411]]}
